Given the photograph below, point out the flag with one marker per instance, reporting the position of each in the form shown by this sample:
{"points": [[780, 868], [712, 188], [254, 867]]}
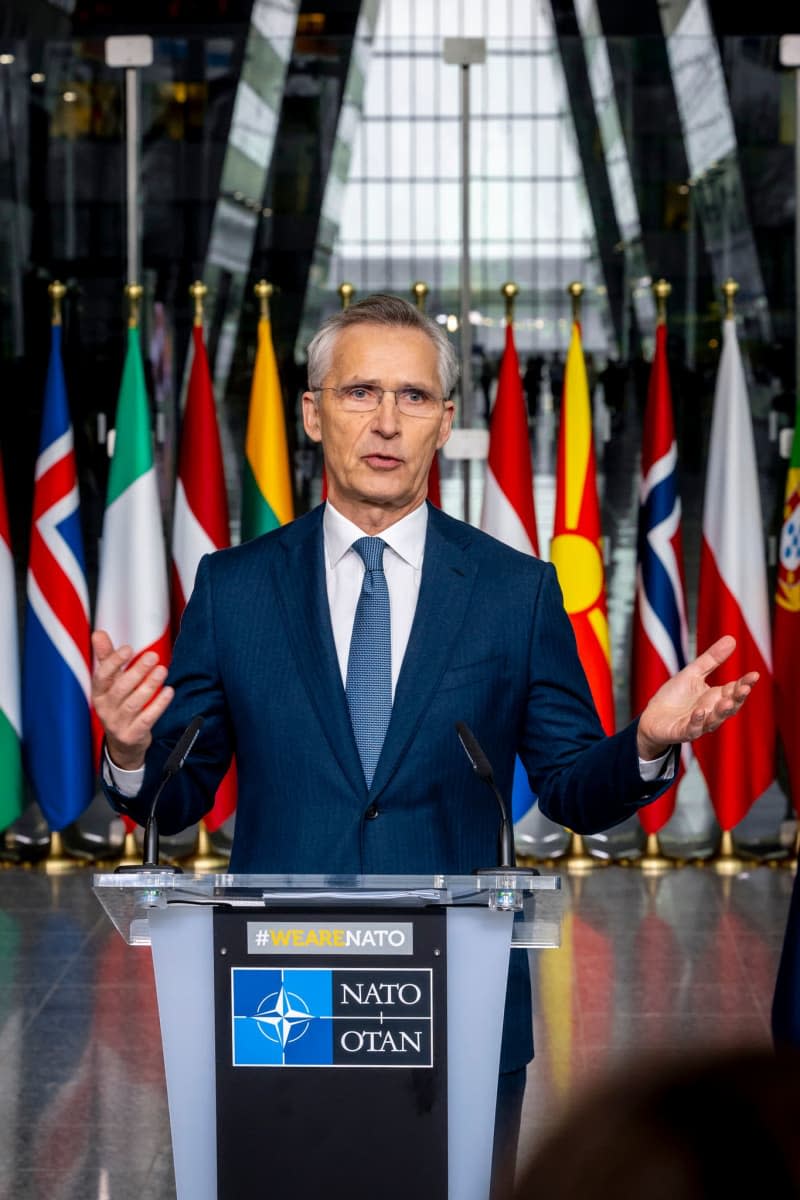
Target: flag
{"points": [[200, 523], [11, 783], [132, 594], [56, 679], [660, 631], [786, 626], [435, 482], [509, 513], [738, 760], [576, 550], [267, 491]]}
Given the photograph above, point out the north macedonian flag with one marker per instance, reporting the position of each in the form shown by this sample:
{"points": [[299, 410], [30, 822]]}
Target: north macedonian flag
{"points": [[576, 550], [786, 626]]}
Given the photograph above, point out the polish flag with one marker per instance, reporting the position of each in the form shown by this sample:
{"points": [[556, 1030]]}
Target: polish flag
{"points": [[738, 760]]}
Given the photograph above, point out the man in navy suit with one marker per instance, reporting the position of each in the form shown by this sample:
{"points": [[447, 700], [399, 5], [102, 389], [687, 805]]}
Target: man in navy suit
{"points": [[477, 633]]}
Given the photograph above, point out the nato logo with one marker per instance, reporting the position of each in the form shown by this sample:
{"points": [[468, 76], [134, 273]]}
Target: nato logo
{"points": [[337, 1017], [282, 1018]]}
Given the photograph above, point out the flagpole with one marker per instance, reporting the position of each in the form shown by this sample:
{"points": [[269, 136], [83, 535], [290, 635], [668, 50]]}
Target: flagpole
{"points": [[346, 293], [419, 291], [509, 292]]}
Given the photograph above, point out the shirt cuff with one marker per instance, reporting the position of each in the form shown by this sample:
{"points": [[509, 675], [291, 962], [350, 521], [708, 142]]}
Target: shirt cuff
{"points": [[127, 783], [650, 769]]}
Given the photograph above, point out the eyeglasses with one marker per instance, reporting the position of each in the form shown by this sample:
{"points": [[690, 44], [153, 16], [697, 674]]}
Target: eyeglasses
{"points": [[366, 397]]}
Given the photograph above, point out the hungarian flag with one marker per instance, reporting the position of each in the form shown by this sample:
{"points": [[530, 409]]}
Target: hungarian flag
{"points": [[786, 627], [509, 513], [267, 492], [11, 782], [200, 523], [56, 680], [738, 760], [660, 631], [132, 592], [576, 550]]}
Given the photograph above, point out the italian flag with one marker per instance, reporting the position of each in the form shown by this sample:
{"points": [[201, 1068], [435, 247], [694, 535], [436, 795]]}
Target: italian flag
{"points": [[132, 593], [267, 491], [11, 781]]}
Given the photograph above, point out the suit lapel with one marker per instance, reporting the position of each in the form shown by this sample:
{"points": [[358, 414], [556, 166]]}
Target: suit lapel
{"points": [[448, 577], [300, 585]]}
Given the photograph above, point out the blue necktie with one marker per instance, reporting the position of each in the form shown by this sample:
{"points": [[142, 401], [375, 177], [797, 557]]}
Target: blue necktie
{"points": [[369, 665]]}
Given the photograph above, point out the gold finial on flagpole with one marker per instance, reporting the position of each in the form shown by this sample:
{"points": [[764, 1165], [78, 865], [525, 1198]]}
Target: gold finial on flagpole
{"points": [[134, 292], [575, 291], [419, 291], [263, 291], [661, 290], [346, 293], [729, 289], [509, 292], [56, 291], [198, 291]]}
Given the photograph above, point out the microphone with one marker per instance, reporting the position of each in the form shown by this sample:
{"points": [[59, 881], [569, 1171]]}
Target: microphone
{"points": [[177, 757], [483, 769]]}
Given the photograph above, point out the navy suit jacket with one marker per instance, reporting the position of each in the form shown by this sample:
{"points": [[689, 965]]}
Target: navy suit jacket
{"points": [[490, 645]]}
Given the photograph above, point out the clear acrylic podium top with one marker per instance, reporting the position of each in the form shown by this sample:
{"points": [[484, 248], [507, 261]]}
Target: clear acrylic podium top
{"points": [[128, 898]]}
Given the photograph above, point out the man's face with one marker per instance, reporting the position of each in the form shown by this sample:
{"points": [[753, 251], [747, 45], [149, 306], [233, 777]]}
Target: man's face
{"points": [[377, 463]]}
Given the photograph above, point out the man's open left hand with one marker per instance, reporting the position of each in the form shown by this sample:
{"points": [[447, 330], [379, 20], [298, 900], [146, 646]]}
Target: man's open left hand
{"points": [[685, 707]]}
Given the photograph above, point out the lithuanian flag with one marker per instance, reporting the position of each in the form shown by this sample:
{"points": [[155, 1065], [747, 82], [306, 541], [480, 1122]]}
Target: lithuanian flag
{"points": [[576, 550], [267, 490]]}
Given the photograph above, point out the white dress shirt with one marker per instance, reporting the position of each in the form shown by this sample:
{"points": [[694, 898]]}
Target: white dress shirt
{"points": [[344, 574]]}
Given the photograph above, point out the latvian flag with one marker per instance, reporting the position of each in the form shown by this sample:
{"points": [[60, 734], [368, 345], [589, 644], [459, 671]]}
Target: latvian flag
{"points": [[200, 524]]}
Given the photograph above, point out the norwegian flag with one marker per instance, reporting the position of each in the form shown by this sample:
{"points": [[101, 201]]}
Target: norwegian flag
{"points": [[200, 524], [660, 630], [57, 739]]}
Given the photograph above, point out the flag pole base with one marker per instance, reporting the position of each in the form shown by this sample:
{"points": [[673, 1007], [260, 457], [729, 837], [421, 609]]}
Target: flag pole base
{"points": [[727, 861], [653, 862], [576, 860], [205, 857], [131, 854], [57, 862]]}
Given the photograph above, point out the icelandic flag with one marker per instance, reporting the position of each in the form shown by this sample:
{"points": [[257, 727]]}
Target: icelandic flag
{"points": [[660, 630], [57, 741]]}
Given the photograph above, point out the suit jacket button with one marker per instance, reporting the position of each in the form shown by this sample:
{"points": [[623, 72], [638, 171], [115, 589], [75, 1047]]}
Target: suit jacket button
{"points": [[371, 812]]}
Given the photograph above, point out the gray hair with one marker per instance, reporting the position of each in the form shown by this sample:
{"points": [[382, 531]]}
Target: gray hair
{"points": [[390, 311]]}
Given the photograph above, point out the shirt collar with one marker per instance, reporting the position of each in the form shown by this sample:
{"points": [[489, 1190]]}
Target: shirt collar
{"points": [[406, 537]]}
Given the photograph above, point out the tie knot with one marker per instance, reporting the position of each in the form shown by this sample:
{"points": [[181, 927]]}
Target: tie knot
{"points": [[371, 550]]}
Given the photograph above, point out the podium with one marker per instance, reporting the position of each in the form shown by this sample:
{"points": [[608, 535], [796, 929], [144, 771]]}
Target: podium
{"points": [[336, 1035]]}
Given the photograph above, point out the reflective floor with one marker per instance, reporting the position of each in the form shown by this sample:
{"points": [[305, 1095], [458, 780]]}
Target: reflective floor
{"points": [[683, 961]]}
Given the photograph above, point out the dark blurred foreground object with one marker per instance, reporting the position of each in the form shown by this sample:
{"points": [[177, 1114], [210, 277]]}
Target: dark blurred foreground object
{"points": [[786, 1002], [720, 1126]]}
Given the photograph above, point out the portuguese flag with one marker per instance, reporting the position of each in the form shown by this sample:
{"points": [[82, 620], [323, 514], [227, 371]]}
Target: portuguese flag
{"points": [[267, 491], [786, 628]]}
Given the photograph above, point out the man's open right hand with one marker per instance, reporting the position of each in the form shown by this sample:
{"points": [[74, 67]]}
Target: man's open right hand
{"points": [[127, 699]]}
